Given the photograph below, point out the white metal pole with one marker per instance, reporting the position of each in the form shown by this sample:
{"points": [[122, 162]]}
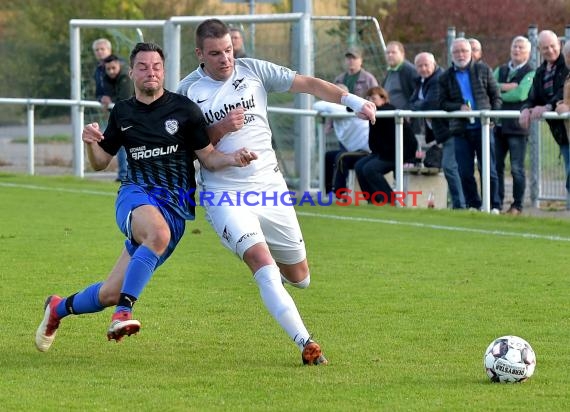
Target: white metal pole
{"points": [[76, 120], [399, 172], [172, 48], [322, 151], [307, 123], [31, 133], [486, 163]]}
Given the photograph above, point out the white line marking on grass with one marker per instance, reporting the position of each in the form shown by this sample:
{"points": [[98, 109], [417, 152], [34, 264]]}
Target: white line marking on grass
{"points": [[332, 217], [437, 227], [57, 189]]}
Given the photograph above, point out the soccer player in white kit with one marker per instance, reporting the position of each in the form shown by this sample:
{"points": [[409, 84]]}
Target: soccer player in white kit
{"points": [[249, 208]]}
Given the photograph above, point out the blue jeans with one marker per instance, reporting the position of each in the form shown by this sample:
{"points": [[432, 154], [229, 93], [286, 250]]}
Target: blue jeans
{"points": [[451, 172], [515, 145], [466, 148], [122, 164]]}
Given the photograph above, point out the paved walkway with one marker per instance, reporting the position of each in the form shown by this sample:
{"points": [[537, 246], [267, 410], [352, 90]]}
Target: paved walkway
{"points": [[50, 158], [11, 132]]}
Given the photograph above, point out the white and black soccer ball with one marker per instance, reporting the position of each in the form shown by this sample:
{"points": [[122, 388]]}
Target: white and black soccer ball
{"points": [[509, 359]]}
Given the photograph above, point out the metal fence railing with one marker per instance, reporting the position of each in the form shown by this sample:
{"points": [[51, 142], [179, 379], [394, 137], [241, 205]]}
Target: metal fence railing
{"points": [[546, 174]]}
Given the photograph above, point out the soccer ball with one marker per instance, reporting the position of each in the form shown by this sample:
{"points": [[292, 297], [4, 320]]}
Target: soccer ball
{"points": [[509, 359]]}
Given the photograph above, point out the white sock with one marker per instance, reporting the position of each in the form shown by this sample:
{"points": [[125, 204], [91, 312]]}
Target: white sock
{"points": [[280, 304], [304, 284]]}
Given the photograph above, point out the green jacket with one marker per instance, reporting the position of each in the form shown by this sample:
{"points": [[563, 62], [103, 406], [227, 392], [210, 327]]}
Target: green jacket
{"points": [[514, 98]]}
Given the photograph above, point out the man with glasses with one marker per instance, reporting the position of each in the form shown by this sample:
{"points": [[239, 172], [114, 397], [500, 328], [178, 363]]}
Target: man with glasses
{"points": [[468, 85]]}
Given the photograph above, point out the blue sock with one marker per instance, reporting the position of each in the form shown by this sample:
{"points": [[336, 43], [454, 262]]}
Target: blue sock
{"points": [[86, 301], [141, 267]]}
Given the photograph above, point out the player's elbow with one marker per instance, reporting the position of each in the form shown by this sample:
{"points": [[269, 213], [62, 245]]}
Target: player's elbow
{"points": [[211, 159], [99, 165], [211, 165]]}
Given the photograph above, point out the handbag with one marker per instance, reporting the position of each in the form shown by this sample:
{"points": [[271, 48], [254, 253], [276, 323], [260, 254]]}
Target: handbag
{"points": [[433, 157]]}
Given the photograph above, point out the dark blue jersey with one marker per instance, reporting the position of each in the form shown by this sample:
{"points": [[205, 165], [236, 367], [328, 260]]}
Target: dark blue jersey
{"points": [[160, 140]]}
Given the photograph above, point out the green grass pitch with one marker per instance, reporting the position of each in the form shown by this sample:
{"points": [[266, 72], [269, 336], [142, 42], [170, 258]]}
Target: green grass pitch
{"points": [[403, 302]]}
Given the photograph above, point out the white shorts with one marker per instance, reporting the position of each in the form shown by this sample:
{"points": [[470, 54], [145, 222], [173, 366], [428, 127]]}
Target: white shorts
{"points": [[244, 218]]}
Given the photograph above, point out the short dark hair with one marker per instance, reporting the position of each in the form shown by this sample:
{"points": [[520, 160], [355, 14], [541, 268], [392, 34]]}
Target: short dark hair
{"points": [[210, 29], [145, 47], [111, 58]]}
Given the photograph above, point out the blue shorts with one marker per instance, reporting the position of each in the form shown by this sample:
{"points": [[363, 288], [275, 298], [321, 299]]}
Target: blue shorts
{"points": [[132, 196]]}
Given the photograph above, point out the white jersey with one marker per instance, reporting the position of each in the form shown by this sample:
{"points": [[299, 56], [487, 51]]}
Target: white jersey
{"points": [[351, 132], [248, 86]]}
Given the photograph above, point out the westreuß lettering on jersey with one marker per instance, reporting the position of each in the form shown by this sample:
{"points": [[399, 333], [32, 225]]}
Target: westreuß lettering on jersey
{"points": [[247, 87]]}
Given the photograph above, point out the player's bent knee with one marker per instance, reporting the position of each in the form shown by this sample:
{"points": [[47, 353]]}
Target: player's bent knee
{"points": [[303, 284], [257, 256], [158, 241], [295, 274]]}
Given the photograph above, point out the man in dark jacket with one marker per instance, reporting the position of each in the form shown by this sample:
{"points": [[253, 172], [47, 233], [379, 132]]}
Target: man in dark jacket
{"points": [[117, 85], [401, 77], [426, 92], [514, 79], [426, 97], [400, 80], [467, 86], [547, 90]]}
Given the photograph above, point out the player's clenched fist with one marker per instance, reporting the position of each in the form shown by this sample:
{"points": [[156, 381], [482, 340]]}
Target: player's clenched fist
{"points": [[235, 119], [244, 157], [92, 133]]}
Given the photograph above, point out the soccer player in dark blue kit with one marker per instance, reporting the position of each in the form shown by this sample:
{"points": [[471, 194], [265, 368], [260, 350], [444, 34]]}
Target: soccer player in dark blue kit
{"points": [[161, 131]]}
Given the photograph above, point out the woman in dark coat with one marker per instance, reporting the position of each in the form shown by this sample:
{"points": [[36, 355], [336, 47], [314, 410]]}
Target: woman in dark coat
{"points": [[371, 169]]}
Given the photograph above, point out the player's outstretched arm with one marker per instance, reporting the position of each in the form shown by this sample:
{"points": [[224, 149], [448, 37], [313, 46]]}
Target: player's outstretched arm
{"points": [[91, 136], [332, 93], [212, 159]]}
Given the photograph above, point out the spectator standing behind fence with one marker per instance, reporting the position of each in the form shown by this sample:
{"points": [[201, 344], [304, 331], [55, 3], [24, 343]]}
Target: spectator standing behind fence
{"points": [[237, 42], [546, 91], [116, 82], [425, 95], [563, 106], [400, 80], [355, 78], [442, 136], [101, 49], [467, 86], [371, 169], [117, 86], [476, 49], [514, 79], [352, 135]]}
